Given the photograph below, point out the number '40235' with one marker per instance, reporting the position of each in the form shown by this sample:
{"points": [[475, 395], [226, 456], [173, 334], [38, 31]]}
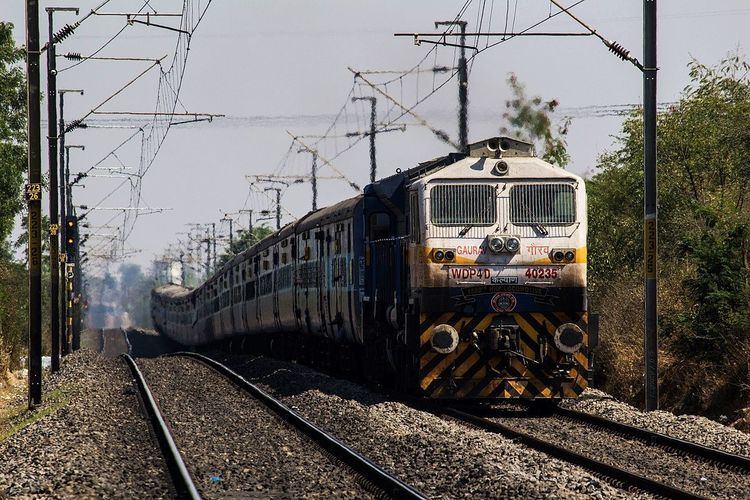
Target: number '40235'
{"points": [[542, 272]]}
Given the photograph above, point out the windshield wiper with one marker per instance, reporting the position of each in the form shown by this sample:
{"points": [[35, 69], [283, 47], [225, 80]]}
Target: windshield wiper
{"points": [[465, 230], [536, 225], [468, 227]]}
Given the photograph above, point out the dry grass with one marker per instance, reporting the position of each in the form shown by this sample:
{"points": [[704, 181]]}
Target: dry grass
{"points": [[688, 384], [16, 417]]}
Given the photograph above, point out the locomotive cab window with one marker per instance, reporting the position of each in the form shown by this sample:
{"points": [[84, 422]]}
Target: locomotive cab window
{"points": [[461, 205], [549, 204]]}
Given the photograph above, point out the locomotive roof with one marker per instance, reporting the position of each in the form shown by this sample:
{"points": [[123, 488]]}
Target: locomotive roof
{"points": [[310, 220], [492, 148], [325, 215], [173, 291]]}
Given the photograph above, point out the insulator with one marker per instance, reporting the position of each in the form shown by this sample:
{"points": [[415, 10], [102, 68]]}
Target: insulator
{"points": [[74, 56], [64, 33], [74, 125], [619, 50]]}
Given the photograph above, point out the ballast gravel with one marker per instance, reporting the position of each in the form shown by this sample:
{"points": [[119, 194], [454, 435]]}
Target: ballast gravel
{"points": [[233, 446], [695, 475], [94, 444], [439, 457], [688, 427]]}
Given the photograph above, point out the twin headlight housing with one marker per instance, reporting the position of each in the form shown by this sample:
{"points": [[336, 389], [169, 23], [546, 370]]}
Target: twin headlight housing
{"points": [[443, 255], [504, 244]]}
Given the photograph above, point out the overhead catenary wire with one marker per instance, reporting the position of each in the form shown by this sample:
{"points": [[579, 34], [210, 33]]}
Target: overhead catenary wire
{"points": [[105, 44], [168, 90], [77, 122], [151, 139], [396, 111]]}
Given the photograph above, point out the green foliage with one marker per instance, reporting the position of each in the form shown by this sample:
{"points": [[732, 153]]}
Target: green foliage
{"points": [[529, 119], [13, 314], [703, 175], [13, 277], [12, 133], [719, 318], [242, 241]]}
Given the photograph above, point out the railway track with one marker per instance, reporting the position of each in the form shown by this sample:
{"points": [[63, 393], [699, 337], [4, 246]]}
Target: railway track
{"points": [[718, 457], [181, 479], [371, 474], [628, 457]]}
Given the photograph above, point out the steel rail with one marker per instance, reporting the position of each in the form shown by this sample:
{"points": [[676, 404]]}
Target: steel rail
{"points": [[617, 474], [387, 483], [712, 454], [183, 483]]}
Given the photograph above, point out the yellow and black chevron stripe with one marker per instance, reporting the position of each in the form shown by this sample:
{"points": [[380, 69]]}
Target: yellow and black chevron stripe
{"points": [[467, 373]]}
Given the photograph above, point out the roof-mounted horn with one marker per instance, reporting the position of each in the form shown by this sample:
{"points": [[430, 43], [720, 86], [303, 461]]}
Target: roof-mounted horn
{"points": [[498, 147]]}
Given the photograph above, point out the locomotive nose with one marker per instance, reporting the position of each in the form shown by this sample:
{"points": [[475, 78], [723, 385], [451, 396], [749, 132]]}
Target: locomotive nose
{"points": [[444, 339], [569, 338]]}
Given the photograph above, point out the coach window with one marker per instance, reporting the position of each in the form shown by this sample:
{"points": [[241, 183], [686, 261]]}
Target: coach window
{"points": [[380, 226]]}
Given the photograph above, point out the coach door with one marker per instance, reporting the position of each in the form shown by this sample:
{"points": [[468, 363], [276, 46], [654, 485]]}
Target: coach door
{"points": [[382, 265], [339, 281], [322, 280]]}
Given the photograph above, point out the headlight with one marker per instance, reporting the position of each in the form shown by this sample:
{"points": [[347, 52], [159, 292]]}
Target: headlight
{"points": [[512, 245], [496, 244], [569, 338], [558, 256], [438, 255], [450, 255], [570, 256], [444, 339]]}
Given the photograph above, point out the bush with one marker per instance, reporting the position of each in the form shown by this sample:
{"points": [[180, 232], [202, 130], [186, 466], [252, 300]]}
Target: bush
{"points": [[704, 292]]}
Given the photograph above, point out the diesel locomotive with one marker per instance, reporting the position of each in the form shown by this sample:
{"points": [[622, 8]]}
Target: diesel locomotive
{"points": [[463, 277]]}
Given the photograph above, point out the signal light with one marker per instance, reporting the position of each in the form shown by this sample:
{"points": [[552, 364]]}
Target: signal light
{"points": [[71, 236]]}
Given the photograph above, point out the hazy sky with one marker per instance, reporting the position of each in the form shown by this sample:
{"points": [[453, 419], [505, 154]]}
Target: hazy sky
{"points": [[277, 65]]}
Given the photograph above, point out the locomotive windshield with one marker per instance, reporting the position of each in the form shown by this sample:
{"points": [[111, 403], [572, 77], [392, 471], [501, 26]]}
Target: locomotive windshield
{"points": [[549, 204], [463, 205]]}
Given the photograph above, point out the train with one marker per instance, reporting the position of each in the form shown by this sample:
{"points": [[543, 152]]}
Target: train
{"points": [[463, 277]]}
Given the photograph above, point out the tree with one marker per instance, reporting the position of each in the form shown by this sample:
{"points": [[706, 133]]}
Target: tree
{"points": [[529, 119], [12, 133], [704, 221], [244, 240], [13, 305]]}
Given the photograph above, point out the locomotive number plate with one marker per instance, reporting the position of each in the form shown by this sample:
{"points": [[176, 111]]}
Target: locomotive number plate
{"points": [[542, 272]]}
